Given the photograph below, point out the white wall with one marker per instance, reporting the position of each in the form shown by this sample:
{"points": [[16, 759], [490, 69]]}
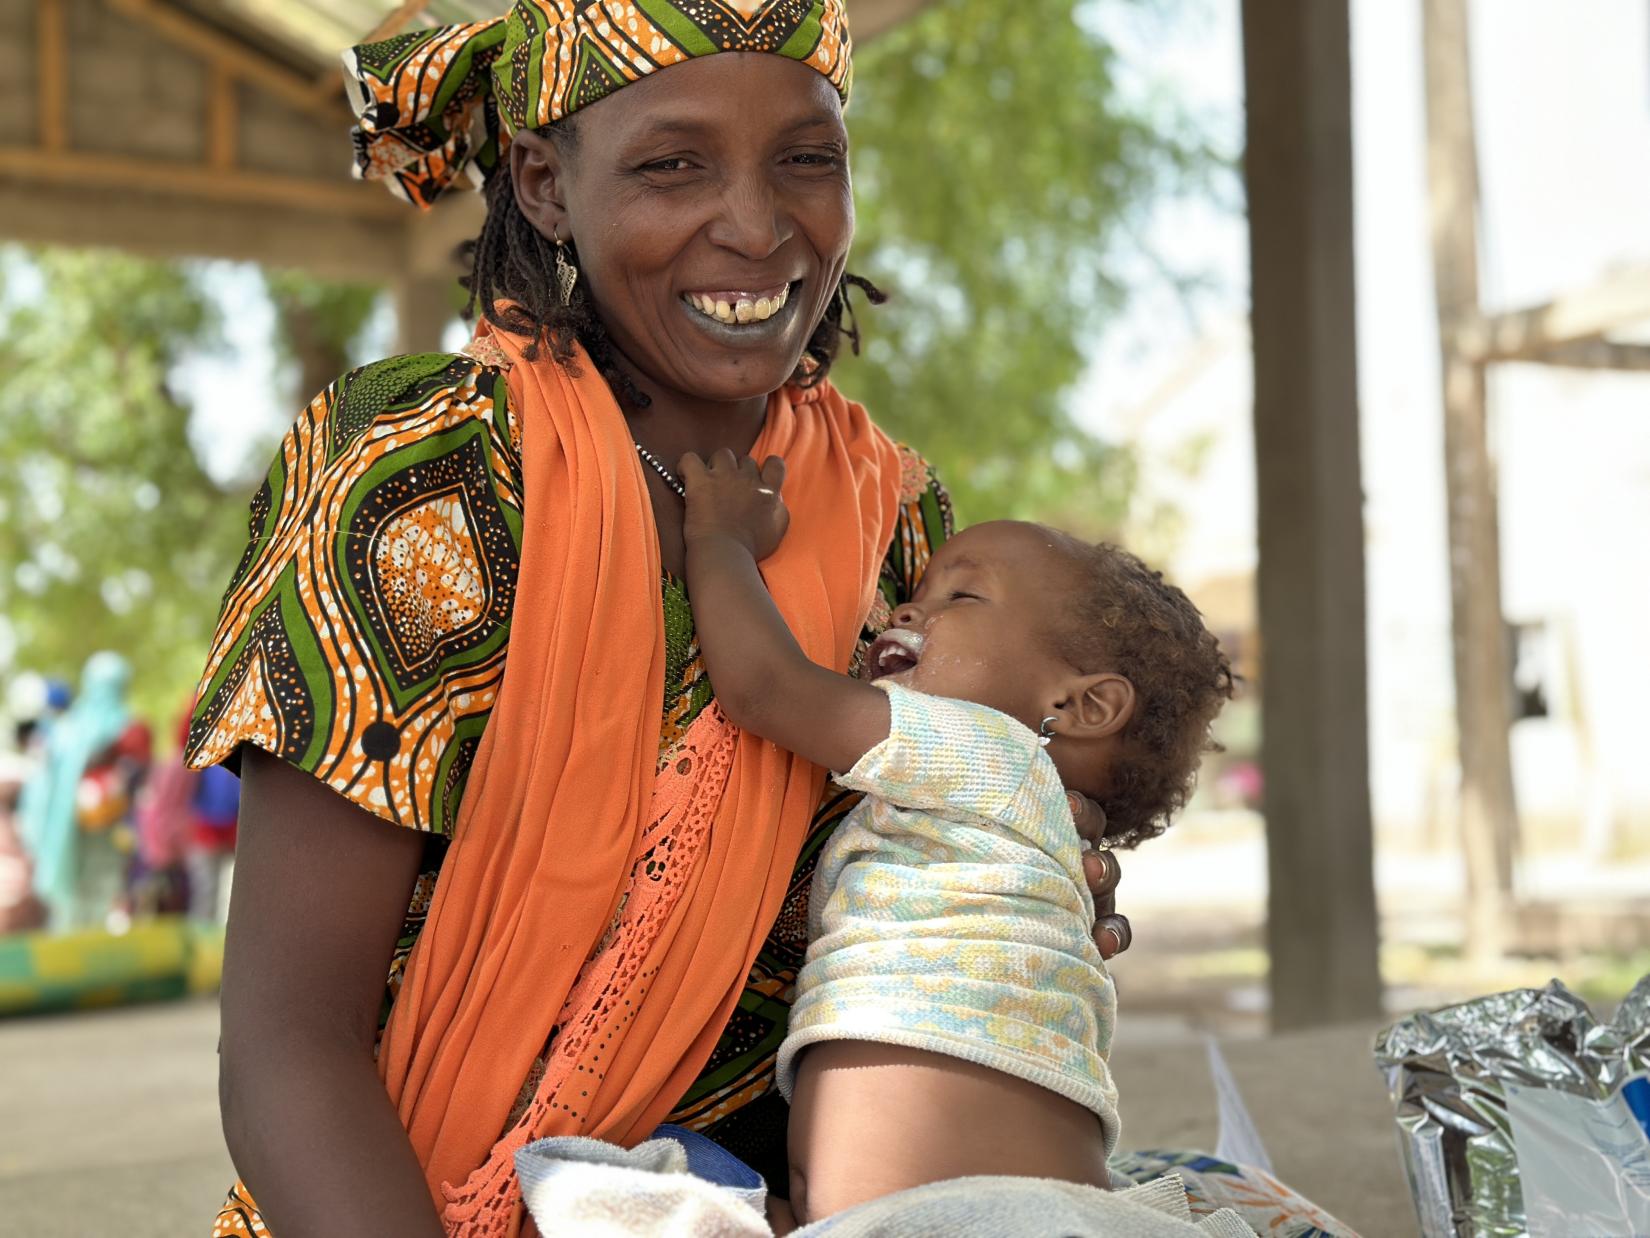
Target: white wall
{"points": [[1563, 112]]}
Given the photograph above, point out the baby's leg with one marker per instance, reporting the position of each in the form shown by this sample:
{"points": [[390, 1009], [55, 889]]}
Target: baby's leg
{"points": [[870, 1119]]}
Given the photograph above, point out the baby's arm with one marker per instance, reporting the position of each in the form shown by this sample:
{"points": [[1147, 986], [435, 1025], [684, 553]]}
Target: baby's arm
{"points": [[764, 682]]}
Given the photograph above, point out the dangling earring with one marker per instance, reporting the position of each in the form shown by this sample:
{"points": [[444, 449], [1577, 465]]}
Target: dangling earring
{"points": [[567, 275], [1045, 733]]}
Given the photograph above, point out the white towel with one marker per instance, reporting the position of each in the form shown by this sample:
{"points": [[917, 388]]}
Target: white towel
{"points": [[582, 1188]]}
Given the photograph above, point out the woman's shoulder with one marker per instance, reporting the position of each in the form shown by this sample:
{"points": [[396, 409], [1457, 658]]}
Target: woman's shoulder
{"points": [[362, 637], [418, 394]]}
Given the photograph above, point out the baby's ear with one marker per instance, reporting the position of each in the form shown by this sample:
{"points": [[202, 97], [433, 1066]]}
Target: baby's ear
{"points": [[1096, 706]]}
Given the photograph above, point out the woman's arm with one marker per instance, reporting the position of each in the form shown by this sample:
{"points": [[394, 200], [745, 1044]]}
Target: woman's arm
{"points": [[321, 890], [763, 680]]}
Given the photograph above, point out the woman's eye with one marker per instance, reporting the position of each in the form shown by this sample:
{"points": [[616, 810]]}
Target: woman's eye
{"points": [[817, 159], [958, 595], [676, 163]]}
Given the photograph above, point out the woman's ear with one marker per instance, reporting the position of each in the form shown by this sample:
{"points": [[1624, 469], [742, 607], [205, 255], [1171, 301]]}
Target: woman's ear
{"points": [[536, 168], [1094, 706]]}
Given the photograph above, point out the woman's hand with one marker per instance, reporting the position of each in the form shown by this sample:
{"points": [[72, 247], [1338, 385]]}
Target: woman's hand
{"points": [[1112, 934], [731, 497]]}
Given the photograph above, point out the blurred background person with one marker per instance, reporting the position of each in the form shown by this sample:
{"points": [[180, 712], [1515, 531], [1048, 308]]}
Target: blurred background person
{"points": [[157, 880], [94, 757], [20, 908]]}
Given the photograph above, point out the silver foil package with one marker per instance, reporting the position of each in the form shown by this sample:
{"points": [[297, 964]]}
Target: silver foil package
{"points": [[1528, 1073]]}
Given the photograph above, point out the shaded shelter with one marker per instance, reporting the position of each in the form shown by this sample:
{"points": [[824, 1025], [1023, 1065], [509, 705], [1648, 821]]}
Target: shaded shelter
{"points": [[213, 128]]}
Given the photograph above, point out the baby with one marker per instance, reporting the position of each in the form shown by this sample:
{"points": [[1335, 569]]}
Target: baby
{"points": [[954, 1017]]}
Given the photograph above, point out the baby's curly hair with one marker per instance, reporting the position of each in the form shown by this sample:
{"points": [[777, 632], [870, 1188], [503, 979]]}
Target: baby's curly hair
{"points": [[1131, 621], [512, 283]]}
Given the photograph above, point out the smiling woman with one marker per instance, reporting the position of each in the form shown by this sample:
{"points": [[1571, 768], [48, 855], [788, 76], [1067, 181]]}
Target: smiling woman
{"points": [[460, 612], [596, 916]]}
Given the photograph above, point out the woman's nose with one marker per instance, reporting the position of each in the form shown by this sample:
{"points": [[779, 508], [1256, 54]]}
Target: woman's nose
{"points": [[751, 222]]}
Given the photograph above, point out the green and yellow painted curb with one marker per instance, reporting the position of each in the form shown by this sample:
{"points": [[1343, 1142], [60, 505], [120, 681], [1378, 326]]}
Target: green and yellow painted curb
{"points": [[152, 961]]}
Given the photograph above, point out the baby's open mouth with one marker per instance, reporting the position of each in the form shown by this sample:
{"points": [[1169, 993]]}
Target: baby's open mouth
{"points": [[896, 650]]}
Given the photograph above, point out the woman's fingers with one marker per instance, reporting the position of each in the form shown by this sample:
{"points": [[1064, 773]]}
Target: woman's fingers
{"points": [[1103, 873], [1089, 817], [1112, 935]]}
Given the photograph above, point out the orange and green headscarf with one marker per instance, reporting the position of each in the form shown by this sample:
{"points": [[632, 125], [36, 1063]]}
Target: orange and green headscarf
{"points": [[433, 104]]}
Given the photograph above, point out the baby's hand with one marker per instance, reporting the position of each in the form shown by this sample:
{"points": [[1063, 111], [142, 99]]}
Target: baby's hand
{"points": [[730, 497]]}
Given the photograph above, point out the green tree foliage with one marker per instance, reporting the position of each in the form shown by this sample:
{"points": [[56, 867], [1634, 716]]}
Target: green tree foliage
{"points": [[112, 535], [995, 158]]}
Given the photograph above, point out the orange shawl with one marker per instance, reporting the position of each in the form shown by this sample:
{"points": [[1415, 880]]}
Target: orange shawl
{"points": [[593, 891]]}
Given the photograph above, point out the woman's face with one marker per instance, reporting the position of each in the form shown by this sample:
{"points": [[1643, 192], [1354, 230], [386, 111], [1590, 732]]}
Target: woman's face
{"points": [[712, 211]]}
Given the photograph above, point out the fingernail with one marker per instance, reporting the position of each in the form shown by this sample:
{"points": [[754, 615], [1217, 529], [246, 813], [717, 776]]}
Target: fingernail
{"points": [[1116, 939], [1074, 802]]}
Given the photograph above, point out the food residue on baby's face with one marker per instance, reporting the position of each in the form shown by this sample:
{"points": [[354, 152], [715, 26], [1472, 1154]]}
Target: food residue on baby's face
{"points": [[978, 627]]}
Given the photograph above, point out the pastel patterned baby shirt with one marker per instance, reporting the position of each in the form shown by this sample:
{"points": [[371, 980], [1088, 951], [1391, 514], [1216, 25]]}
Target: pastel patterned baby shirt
{"points": [[949, 911]]}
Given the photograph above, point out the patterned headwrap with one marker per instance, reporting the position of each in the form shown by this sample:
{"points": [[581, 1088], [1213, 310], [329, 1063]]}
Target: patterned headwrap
{"points": [[436, 103]]}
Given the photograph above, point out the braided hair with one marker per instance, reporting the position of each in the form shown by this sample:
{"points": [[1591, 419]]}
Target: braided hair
{"points": [[512, 283]]}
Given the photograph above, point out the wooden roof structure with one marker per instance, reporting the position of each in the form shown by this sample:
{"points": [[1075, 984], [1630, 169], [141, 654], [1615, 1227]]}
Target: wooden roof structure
{"points": [[219, 128]]}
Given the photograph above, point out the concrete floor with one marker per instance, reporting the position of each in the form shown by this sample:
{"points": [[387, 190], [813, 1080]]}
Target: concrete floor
{"points": [[117, 1112]]}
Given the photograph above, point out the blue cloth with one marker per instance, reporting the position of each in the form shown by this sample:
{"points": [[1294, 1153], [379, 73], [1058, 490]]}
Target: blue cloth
{"points": [[217, 798], [711, 1161]]}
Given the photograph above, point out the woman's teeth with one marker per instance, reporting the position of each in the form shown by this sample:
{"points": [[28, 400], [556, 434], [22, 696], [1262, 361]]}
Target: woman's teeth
{"points": [[741, 310]]}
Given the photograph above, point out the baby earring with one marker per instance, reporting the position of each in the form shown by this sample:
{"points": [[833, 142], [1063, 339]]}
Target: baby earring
{"points": [[1045, 733]]}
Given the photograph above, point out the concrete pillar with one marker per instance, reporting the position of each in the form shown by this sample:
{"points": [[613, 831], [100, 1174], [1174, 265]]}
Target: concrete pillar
{"points": [[1322, 930]]}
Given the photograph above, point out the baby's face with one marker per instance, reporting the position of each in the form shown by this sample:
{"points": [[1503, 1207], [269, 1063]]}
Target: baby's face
{"points": [[979, 628]]}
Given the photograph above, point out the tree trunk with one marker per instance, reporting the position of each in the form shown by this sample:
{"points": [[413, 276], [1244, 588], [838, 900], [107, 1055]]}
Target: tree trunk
{"points": [[321, 357], [1489, 820]]}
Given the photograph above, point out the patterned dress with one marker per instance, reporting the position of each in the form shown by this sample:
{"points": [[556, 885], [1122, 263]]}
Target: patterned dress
{"points": [[363, 635]]}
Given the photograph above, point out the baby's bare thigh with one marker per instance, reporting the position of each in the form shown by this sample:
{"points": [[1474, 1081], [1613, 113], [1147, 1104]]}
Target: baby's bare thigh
{"points": [[870, 1119]]}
